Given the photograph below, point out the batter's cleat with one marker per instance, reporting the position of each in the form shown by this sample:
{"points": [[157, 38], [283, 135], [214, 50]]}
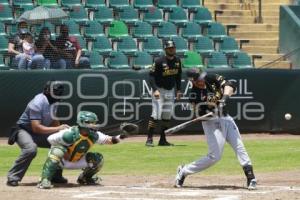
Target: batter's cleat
{"points": [[149, 143], [12, 183], [45, 184], [179, 179], [252, 184], [60, 180], [166, 143], [82, 180]]}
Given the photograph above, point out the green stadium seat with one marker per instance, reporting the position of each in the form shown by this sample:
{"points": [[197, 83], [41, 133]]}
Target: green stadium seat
{"points": [[21, 2], [204, 46], [153, 16], [3, 66], [96, 60], [192, 59], [191, 5], [216, 31], [191, 31], [79, 14], [153, 46], [13, 29], [142, 5], [142, 60], [104, 15], [49, 3], [3, 44], [117, 29], [241, 60], [217, 60], [202, 16], [73, 27], [70, 3], [93, 29], [4, 2], [118, 4], [181, 45], [142, 30], [118, 60], [228, 45], [94, 3], [102, 45], [167, 4], [178, 16], [2, 29], [127, 45], [6, 14], [129, 15], [166, 30], [82, 43]]}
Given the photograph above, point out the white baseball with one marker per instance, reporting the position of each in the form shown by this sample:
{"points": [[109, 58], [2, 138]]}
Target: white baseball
{"points": [[288, 116]]}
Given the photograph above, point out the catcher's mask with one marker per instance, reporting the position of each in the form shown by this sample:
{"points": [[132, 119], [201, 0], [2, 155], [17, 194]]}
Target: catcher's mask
{"points": [[87, 120]]}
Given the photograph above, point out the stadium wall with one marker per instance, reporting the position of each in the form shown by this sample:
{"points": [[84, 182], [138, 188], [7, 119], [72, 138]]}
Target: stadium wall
{"points": [[262, 98], [289, 33]]}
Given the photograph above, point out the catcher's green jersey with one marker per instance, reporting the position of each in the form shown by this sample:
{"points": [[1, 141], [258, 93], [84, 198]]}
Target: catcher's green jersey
{"points": [[77, 145]]}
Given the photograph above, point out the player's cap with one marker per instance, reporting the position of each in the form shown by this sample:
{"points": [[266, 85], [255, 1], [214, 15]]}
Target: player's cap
{"points": [[169, 44], [196, 74]]}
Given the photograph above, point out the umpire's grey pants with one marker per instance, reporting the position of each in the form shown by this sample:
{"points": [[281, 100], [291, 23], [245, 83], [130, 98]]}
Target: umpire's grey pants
{"points": [[28, 144]]}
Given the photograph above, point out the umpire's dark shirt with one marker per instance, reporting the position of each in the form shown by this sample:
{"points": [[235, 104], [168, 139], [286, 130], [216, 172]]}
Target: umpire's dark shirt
{"points": [[166, 73]]}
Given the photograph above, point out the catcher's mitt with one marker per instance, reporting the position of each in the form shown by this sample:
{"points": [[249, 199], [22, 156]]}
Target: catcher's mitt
{"points": [[129, 128]]}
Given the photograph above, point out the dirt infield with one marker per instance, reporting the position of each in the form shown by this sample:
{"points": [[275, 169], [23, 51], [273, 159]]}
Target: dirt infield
{"points": [[275, 186], [271, 186]]}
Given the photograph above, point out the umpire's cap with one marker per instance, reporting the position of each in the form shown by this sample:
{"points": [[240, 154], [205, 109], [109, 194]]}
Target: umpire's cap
{"points": [[54, 87], [169, 44]]}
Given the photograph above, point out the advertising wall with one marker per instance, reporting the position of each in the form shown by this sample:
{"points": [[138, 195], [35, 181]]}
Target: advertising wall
{"points": [[262, 98]]}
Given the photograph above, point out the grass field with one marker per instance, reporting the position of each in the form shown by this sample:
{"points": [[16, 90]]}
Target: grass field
{"points": [[133, 158]]}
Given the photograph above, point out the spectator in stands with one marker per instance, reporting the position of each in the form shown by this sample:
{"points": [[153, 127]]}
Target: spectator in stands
{"points": [[28, 48], [45, 50], [20, 59], [69, 51]]}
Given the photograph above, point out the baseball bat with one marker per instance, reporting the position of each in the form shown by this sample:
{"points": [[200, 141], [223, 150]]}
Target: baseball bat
{"points": [[185, 124]]}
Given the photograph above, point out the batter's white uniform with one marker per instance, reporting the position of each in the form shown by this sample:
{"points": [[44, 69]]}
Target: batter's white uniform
{"points": [[217, 132]]}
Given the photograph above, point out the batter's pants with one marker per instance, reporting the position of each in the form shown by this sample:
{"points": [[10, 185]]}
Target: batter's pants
{"points": [[217, 132]]}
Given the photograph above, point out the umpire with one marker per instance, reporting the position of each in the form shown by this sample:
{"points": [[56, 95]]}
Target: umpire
{"points": [[165, 78], [32, 129]]}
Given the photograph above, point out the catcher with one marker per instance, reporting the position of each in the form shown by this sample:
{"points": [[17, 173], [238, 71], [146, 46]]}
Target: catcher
{"points": [[210, 93], [69, 149]]}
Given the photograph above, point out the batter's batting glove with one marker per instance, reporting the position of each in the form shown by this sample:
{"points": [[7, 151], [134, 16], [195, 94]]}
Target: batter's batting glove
{"points": [[222, 102], [129, 128]]}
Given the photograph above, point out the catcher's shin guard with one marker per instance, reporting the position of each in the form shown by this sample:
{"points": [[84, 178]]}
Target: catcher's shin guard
{"points": [[53, 162], [95, 162]]}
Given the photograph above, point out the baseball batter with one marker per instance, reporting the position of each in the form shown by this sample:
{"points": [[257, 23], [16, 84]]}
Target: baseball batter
{"points": [[210, 92], [69, 149], [165, 78]]}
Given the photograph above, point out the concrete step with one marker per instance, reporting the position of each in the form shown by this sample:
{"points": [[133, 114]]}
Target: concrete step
{"points": [[277, 65], [260, 42], [255, 34], [237, 6], [249, 12], [261, 49], [251, 2], [269, 57], [256, 27], [246, 20]]}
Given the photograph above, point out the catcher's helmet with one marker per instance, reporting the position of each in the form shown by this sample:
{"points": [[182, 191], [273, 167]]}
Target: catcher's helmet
{"points": [[54, 87], [86, 119], [169, 44]]}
